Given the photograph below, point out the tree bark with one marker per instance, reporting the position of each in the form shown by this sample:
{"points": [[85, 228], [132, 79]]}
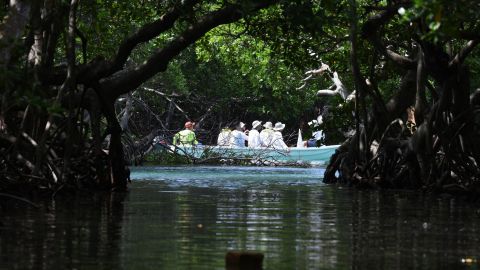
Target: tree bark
{"points": [[119, 173], [126, 114], [37, 34], [360, 86], [70, 85], [371, 30], [421, 99], [13, 28]]}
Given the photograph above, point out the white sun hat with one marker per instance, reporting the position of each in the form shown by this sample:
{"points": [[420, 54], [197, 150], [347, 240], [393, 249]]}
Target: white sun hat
{"points": [[279, 126], [256, 123], [268, 125], [241, 124]]}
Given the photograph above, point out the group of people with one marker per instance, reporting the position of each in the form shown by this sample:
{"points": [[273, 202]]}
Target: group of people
{"points": [[266, 135]]}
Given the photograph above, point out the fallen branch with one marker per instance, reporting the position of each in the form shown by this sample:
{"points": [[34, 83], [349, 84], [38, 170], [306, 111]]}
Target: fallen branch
{"points": [[19, 199]]}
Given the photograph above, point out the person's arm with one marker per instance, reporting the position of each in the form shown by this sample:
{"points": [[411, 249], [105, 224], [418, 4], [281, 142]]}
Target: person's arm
{"points": [[175, 139], [195, 139]]}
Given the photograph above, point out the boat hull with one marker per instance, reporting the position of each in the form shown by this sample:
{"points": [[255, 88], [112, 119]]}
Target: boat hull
{"points": [[311, 155]]}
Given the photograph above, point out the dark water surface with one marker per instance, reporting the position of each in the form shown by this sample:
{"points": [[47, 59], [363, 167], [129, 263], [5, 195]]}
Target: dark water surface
{"points": [[188, 217]]}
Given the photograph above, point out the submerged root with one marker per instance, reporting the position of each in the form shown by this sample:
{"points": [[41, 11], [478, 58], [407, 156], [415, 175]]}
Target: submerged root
{"points": [[86, 169], [446, 161]]}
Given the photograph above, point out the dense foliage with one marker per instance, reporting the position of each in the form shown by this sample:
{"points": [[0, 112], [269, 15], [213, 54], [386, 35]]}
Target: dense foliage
{"points": [[87, 85]]}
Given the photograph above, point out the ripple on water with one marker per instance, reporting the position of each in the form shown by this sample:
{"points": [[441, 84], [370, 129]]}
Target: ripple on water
{"points": [[188, 217]]}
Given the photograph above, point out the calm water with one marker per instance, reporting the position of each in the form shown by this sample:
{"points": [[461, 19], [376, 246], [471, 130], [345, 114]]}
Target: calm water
{"points": [[188, 217]]}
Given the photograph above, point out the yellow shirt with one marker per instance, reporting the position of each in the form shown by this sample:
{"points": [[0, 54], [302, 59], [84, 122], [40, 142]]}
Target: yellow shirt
{"points": [[185, 137]]}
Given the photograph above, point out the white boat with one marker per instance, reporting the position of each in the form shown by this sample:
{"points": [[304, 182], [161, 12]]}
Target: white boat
{"points": [[311, 155]]}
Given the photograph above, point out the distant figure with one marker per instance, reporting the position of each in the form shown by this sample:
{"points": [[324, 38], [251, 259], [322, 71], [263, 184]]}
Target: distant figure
{"points": [[186, 137], [254, 135], [266, 135], [316, 136], [224, 137], [238, 137], [278, 142]]}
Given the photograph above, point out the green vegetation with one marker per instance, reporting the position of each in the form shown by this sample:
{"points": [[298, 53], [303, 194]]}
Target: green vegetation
{"points": [[86, 86]]}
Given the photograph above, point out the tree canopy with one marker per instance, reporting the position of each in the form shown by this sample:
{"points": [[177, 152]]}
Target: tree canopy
{"points": [[78, 75]]}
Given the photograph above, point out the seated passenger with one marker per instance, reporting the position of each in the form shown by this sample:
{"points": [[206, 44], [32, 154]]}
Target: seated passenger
{"points": [[254, 135], [238, 137], [185, 137], [266, 135], [278, 142], [317, 138], [224, 137]]}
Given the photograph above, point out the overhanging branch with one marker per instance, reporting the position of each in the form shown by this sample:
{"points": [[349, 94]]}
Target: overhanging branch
{"points": [[128, 80], [146, 33], [96, 70], [464, 52], [371, 29]]}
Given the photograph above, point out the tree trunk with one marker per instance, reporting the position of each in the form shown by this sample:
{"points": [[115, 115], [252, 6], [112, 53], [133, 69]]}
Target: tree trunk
{"points": [[360, 87], [119, 173], [13, 28], [126, 114]]}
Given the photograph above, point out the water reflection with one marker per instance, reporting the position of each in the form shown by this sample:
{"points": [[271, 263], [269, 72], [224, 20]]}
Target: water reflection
{"points": [[75, 233], [187, 218]]}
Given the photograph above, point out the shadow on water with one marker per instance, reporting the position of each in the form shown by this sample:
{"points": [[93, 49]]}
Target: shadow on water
{"points": [[188, 217], [69, 233]]}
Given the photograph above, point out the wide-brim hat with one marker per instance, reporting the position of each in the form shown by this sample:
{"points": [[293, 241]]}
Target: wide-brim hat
{"points": [[279, 126], [256, 123], [268, 125]]}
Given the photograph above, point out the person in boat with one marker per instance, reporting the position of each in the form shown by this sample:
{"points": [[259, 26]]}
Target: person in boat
{"points": [[317, 138], [278, 142], [224, 137], [187, 136], [239, 136], [254, 135], [266, 135]]}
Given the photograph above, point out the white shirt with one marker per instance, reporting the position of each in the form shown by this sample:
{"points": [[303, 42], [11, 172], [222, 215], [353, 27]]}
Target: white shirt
{"points": [[318, 135], [278, 142], [238, 139], [254, 139], [266, 137], [224, 137]]}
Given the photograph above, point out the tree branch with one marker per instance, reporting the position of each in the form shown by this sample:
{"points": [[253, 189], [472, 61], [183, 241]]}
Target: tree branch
{"points": [[404, 97], [100, 68], [144, 34], [420, 99], [12, 28], [371, 28], [464, 52], [128, 80], [84, 40]]}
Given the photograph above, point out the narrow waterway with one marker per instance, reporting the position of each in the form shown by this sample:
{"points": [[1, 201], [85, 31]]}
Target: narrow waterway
{"points": [[189, 217]]}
